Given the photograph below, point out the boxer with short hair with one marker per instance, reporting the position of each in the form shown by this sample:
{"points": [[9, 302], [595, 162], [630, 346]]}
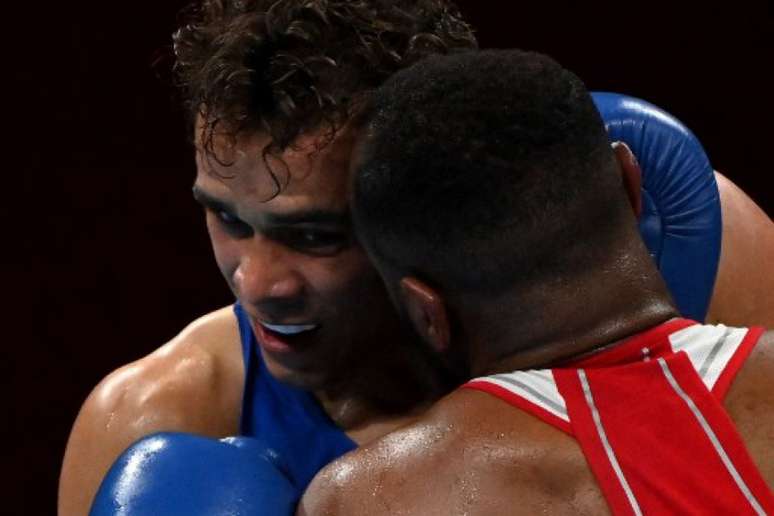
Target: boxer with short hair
{"points": [[270, 87], [489, 198]]}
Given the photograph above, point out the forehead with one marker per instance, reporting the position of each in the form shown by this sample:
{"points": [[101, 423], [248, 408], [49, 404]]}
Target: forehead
{"points": [[313, 172]]}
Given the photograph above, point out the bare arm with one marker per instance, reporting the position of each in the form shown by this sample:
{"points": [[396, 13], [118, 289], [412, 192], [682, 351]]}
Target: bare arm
{"points": [[745, 281], [192, 384]]}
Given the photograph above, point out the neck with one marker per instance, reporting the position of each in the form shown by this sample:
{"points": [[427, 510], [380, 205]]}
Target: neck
{"points": [[396, 378], [565, 320]]}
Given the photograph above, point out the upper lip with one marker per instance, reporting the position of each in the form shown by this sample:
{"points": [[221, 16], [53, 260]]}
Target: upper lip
{"points": [[283, 323], [276, 325], [261, 318]]}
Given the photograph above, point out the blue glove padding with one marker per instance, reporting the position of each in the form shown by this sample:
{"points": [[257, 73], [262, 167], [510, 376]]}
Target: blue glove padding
{"points": [[680, 221], [182, 474]]}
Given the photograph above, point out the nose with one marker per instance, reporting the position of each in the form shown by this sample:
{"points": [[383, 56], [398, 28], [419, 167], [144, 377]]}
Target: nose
{"points": [[267, 275]]}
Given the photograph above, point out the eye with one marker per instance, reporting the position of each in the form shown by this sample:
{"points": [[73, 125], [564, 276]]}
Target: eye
{"points": [[226, 218], [313, 241], [231, 224]]}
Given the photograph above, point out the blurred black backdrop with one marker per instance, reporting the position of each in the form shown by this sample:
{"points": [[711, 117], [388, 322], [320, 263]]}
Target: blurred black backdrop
{"points": [[106, 254]]}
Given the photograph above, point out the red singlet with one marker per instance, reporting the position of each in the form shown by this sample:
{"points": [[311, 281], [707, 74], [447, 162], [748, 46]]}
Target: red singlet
{"points": [[648, 416]]}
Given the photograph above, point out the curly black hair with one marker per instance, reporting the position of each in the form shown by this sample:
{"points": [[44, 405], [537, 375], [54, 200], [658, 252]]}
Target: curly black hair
{"points": [[284, 67]]}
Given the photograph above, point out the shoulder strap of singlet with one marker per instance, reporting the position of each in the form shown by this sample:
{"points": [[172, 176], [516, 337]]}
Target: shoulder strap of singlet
{"points": [[533, 391], [660, 442], [716, 352]]}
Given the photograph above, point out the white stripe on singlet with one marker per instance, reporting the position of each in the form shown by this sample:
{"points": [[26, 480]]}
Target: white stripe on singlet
{"points": [[712, 438], [606, 444], [709, 348], [536, 386]]}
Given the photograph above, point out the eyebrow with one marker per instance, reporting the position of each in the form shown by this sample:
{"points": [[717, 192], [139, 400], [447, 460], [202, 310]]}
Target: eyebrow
{"points": [[311, 216], [208, 200]]}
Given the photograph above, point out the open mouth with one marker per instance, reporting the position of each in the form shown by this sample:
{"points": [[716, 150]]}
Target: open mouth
{"points": [[284, 338], [289, 329]]}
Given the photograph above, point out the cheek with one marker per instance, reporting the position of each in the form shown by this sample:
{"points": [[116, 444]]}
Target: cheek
{"points": [[365, 306], [354, 281], [225, 252]]}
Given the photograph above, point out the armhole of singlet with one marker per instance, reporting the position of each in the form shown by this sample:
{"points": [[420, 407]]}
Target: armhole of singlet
{"points": [[723, 383], [481, 384], [246, 339]]}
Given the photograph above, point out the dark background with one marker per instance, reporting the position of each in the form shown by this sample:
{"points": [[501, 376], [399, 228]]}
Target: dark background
{"points": [[105, 252]]}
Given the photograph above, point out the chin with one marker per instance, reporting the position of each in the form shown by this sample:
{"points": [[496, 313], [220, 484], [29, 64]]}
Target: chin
{"points": [[307, 380]]}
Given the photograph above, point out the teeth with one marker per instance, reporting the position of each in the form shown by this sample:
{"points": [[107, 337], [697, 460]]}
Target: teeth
{"points": [[289, 329]]}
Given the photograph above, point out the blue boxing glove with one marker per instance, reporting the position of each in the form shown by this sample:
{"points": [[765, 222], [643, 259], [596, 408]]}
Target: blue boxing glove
{"points": [[680, 220], [182, 474]]}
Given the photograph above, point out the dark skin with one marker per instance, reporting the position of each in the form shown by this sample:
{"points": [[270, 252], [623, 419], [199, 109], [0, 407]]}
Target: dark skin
{"points": [[464, 456], [194, 382]]}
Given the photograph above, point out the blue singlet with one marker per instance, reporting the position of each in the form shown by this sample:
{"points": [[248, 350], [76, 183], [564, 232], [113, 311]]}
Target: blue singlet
{"points": [[289, 420]]}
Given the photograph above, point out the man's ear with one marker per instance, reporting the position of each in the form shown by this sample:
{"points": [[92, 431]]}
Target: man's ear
{"points": [[427, 312], [631, 174]]}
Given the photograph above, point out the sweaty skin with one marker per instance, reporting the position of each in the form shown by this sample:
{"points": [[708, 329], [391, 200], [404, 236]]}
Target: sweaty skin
{"points": [[283, 272], [472, 454], [194, 382]]}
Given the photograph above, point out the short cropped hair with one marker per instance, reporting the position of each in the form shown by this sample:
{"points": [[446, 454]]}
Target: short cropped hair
{"points": [[486, 170], [283, 67]]}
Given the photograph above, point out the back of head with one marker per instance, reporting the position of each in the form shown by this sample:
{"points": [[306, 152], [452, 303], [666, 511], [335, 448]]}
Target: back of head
{"points": [[284, 67], [485, 172]]}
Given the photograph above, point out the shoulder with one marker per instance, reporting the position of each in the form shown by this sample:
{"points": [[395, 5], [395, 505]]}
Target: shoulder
{"points": [[745, 279], [487, 462], [750, 403], [193, 384], [388, 476], [756, 377], [198, 367]]}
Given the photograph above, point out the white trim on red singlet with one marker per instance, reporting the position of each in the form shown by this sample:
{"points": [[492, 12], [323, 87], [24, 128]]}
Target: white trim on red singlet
{"points": [[709, 348], [707, 429], [611, 456], [536, 386]]}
